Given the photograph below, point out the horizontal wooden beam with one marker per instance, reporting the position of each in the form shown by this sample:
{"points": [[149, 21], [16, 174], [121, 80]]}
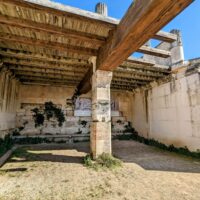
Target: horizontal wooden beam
{"points": [[82, 15], [120, 87], [138, 72], [140, 63], [141, 22], [133, 83], [47, 71], [33, 78], [55, 30], [129, 80], [154, 52], [65, 11], [165, 36], [19, 54], [56, 76], [47, 44], [45, 66], [133, 76]]}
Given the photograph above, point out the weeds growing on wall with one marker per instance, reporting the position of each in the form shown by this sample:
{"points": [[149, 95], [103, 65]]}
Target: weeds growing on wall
{"points": [[50, 111], [5, 144], [104, 161], [151, 142]]}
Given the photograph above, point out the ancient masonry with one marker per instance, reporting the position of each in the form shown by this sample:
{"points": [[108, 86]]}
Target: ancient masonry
{"points": [[80, 61]]}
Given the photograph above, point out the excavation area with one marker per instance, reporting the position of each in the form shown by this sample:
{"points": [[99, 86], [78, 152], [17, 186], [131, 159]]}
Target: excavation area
{"points": [[49, 171]]}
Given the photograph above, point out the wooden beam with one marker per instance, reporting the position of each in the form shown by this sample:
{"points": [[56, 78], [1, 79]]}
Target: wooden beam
{"points": [[133, 77], [42, 70], [33, 78], [44, 66], [124, 80], [139, 63], [55, 30], [47, 44], [13, 53], [141, 22], [138, 72], [165, 36], [56, 76], [65, 11], [154, 52]]}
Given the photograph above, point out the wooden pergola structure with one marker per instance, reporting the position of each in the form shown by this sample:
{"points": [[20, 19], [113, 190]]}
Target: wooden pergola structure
{"points": [[42, 42]]}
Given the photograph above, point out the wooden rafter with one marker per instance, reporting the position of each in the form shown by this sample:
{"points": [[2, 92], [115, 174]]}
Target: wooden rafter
{"points": [[67, 11], [44, 70], [47, 65], [19, 54], [141, 22], [55, 30], [47, 79], [56, 76], [47, 44], [154, 52]]}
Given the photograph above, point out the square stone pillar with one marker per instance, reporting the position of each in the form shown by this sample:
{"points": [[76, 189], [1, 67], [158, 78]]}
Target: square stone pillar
{"points": [[100, 139]]}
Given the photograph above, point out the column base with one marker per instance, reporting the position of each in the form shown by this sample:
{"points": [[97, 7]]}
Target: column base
{"points": [[100, 141]]}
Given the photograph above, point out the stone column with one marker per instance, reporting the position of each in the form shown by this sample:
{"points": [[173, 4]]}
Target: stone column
{"points": [[177, 49], [100, 139]]}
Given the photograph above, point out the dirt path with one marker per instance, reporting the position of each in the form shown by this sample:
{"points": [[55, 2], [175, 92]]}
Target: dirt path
{"points": [[57, 173]]}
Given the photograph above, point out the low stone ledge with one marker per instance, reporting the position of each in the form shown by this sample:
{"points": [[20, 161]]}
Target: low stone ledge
{"points": [[7, 155]]}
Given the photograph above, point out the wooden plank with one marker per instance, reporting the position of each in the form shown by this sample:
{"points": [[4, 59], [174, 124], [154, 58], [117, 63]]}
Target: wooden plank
{"points": [[65, 11], [55, 30], [47, 44], [134, 76], [142, 17], [165, 36], [42, 70], [44, 66], [13, 53], [139, 72], [37, 74], [47, 79], [142, 21], [154, 52]]}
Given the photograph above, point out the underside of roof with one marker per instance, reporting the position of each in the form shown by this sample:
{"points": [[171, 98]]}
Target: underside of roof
{"points": [[43, 42]]}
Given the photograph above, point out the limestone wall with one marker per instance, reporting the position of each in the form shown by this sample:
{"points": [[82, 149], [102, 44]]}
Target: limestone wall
{"points": [[32, 96], [172, 114], [9, 92]]}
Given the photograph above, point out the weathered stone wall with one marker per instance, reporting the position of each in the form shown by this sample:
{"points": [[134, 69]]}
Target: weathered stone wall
{"points": [[32, 96], [170, 112], [9, 88]]}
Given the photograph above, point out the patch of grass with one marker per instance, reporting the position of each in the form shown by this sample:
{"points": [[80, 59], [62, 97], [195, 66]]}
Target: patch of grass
{"points": [[104, 161], [151, 142]]}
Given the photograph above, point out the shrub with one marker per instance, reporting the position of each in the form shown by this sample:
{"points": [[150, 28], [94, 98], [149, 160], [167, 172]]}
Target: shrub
{"points": [[104, 161], [50, 111]]}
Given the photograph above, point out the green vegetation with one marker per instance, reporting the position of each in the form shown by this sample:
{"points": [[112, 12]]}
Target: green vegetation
{"points": [[104, 161], [50, 111], [152, 142]]}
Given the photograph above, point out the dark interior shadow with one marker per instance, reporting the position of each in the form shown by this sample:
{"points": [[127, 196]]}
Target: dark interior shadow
{"points": [[35, 153]]}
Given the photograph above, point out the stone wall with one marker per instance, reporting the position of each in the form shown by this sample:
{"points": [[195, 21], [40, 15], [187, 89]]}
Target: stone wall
{"points": [[9, 92], [170, 112], [77, 122]]}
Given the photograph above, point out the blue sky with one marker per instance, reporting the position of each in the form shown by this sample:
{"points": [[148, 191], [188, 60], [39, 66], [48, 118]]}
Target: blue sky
{"points": [[188, 21]]}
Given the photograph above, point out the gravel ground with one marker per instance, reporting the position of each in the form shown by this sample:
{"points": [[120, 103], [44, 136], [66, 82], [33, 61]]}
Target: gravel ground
{"points": [[56, 172]]}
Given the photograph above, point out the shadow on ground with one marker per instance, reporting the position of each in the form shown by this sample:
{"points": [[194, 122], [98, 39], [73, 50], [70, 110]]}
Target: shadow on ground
{"points": [[148, 158]]}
